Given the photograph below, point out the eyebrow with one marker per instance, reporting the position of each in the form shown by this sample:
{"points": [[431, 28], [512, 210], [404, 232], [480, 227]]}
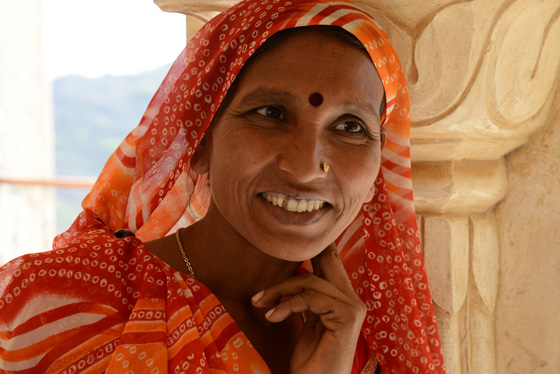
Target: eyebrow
{"points": [[361, 110], [264, 96], [261, 96]]}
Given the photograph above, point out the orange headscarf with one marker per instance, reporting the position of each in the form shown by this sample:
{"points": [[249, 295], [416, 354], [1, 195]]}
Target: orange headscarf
{"points": [[147, 186]]}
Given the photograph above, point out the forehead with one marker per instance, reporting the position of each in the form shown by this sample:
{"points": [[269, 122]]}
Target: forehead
{"points": [[312, 61]]}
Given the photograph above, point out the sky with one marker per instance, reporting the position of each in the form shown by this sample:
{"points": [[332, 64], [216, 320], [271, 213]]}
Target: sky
{"points": [[100, 37]]}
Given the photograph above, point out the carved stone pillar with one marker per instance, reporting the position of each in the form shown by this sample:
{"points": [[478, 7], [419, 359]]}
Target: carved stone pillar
{"points": [[482, 77]]}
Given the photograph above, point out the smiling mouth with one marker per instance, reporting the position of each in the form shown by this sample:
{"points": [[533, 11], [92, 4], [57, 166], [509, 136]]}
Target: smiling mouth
{"points": [[293, 205]]}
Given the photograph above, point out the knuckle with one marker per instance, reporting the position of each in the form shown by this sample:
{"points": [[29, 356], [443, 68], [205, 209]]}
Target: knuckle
{"points": [[307, 295], [299, 300], [303, 299], [307, 277], [305, 281], [361, 310]]}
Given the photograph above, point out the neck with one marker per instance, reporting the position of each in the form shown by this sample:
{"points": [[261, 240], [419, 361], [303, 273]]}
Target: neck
{"points": [[229, 265]]}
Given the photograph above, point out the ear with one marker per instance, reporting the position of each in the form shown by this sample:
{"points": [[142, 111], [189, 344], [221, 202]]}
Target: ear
{"points": [[200, 160]]}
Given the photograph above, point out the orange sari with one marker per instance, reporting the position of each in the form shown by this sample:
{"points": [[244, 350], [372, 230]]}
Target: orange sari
{"points": [[98, 303], [117, 308]]}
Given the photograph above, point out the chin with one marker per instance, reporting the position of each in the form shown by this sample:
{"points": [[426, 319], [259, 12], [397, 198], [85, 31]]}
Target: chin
{"points": [[295, 251]]}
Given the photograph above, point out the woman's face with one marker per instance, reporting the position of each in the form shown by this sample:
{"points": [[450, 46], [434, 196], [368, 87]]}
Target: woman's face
{"points": [[272, 138]]}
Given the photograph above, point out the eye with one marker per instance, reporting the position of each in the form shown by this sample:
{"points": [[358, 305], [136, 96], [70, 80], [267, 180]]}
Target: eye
{"points": [[270, 112], [353, 127]]}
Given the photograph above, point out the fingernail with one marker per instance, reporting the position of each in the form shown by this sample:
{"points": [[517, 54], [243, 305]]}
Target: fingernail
{"points": [[255, 299], [269, 313]]}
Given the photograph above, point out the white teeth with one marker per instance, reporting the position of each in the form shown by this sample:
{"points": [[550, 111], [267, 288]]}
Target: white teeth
{"points": [[302, 206], [293, 205]]}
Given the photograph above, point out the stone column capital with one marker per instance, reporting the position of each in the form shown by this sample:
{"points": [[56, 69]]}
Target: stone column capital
{"points": [[194, 6], [481, 74]]}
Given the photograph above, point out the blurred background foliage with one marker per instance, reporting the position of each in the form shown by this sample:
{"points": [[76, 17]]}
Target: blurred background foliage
{"points": [[92, 116]]}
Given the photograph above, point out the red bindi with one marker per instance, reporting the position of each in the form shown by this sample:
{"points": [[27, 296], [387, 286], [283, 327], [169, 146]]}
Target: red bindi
{"points": [[316, 99]]}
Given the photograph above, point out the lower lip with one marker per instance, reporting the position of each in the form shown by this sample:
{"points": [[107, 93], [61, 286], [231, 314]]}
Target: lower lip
{"points": [[286, 217]]}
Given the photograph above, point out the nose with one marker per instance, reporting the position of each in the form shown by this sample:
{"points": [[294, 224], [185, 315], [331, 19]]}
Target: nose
{"points": [[302, 156]]}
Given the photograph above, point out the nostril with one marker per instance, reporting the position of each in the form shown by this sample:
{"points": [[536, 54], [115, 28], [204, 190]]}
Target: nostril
{"points": [[304, 168]]}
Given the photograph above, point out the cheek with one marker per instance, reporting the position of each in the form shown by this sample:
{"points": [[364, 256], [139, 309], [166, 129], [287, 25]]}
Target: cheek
{"points": [[372, 177], [359, 172], [236, 160], [357, 183]]}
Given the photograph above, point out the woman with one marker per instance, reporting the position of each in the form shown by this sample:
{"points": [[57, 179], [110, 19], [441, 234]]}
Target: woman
{"points": [[249, 162]]}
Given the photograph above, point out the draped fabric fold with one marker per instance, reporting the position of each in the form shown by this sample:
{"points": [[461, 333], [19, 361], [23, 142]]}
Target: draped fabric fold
{"points": [[98, 302]]}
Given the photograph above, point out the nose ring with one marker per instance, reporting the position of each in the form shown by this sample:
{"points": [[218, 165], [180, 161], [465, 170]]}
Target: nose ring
{"points": [[325, 167]]}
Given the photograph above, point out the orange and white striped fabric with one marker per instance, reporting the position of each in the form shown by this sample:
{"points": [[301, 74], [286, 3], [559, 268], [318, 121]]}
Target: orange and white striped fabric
{"points": [[105, 304], [98, 303]]}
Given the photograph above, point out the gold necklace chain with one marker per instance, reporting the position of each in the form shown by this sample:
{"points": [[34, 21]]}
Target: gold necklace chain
{"points": [[185, 258], [191, 271]]}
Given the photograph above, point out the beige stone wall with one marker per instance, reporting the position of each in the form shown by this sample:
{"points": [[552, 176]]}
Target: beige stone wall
{"points": [[528, 307], [482, 77], [27, 213]]}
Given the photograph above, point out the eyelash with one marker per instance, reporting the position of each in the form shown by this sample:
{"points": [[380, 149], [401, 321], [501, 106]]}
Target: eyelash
{"points": [[264, 111], [279, 111], [361, 127]]}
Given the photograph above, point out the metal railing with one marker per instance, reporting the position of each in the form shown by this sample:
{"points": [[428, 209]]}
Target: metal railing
{"points": [[58, 181]]}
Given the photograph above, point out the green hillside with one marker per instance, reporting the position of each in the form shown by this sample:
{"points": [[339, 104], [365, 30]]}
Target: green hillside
{"points": [[92, 116]]}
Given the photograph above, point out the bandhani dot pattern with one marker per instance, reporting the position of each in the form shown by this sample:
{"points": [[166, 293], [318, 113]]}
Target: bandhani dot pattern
{"points": [[97, 303]]}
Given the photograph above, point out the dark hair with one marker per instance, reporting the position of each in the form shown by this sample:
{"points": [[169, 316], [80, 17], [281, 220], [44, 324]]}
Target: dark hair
{"points": [[280, 36]]}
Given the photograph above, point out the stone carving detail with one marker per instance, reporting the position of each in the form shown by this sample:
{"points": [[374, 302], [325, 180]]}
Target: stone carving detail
{"points": [[446, 45], [482, 76], [460, 58]]}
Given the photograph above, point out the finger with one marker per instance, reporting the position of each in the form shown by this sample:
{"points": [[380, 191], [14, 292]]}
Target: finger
{"points": [[293, 286], [329, 264], [305, 301], [316, 266], [334, 314]]}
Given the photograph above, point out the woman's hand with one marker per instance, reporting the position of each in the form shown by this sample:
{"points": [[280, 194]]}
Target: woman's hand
{"points": [[334, 315]]}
